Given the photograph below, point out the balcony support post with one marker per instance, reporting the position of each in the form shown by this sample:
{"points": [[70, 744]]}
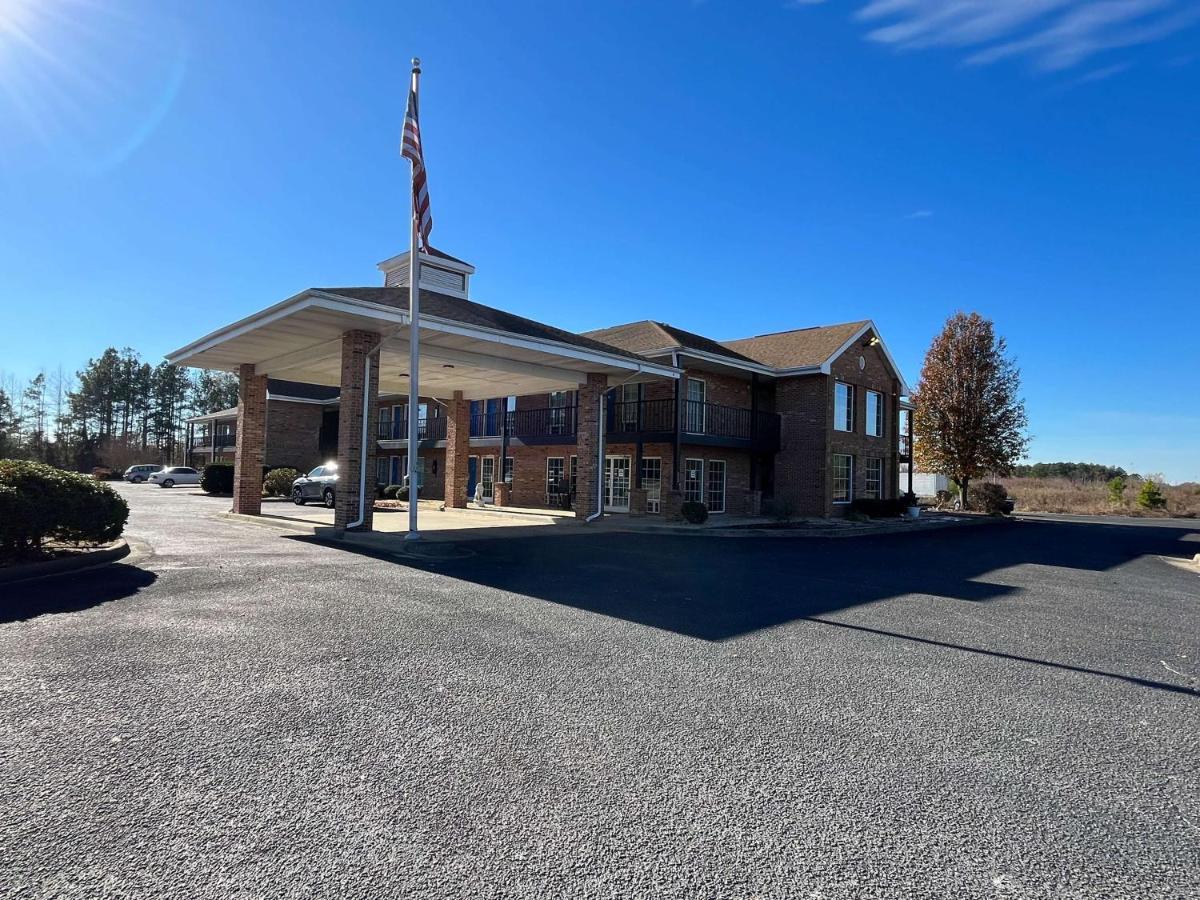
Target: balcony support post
{"points": [[503, 438], [753, 431]]}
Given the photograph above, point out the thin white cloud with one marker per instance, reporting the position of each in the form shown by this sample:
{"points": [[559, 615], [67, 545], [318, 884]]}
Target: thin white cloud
{"points": [[1053, 34], [920, 214]]}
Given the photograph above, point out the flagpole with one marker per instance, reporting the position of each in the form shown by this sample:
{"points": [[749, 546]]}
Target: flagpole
{"points": [[414, 341]]}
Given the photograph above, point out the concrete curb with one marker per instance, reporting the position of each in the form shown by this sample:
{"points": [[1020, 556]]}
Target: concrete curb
{"points": [[52, 567], [271, 522], [801, 532]]}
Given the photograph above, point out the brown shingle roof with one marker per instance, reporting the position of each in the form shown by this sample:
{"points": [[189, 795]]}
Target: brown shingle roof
{"points": [[647, 336], [469, 312], [794, 349]]}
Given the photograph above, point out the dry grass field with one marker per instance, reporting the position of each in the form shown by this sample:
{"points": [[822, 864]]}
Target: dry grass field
{"points": [[1062, 495]]}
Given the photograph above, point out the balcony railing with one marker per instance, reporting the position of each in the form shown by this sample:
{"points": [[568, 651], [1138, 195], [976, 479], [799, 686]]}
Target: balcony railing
{"points": [[700, 420], [551, 422], [427, 429], [223, 439]]}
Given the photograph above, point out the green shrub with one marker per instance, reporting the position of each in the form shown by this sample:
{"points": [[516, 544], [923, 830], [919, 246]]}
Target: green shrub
{"points": [[988, 497], [278, 482], [1150, 496], [694, 512], [1116, 490], [39, 502], [217, 478], [390, 492]]}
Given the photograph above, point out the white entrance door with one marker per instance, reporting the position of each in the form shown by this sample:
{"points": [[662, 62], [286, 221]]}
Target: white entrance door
{"points": [[616, 483], [694, 411]]}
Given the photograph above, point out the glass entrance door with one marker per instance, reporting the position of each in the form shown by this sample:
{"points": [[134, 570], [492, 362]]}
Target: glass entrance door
{"points": [[616, 483]]}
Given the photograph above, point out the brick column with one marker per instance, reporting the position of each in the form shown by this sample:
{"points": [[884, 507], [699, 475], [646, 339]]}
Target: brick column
{"points": [[585, 439], [251, 441], [458, 448], [356, 345]]}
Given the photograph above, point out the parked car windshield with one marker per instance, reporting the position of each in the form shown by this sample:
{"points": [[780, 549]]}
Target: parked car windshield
{"points": [[316, 473]]}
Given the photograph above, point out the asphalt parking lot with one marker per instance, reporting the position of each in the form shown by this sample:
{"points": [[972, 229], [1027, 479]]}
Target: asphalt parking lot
{"points": [[1006, 711]]}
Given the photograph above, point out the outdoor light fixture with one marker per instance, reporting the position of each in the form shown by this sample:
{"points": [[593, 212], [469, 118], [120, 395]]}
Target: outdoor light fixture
{"points": [[871, 341], [447, 365]]}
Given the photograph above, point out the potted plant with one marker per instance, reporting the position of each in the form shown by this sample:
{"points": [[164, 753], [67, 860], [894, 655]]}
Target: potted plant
{"points": [[911, 510]]}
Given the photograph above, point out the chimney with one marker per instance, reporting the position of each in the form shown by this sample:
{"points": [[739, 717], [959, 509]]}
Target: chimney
{"points": [[440, 272]]}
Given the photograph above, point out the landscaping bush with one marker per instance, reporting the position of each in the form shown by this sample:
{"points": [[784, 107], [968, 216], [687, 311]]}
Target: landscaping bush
{"points": [[989, 498], [880, 509], [278, 482], [217, 478], [695, 513], [39, 502], [1116, 491], [1150, 496], [395, 492], [780, 509]]}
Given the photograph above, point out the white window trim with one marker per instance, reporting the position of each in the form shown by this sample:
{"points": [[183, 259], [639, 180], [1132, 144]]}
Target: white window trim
{"points": [[867, 475], [724, 486], [692, 459], [565, 475], [879, 419], [850, 480], [688, 379], [852, 399]]}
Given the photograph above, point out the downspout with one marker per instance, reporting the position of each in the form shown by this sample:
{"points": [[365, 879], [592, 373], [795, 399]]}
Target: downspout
{"points": [[599, 462]]}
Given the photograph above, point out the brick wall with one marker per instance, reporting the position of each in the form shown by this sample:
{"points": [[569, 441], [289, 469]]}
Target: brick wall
{"points": [[356, 346], [876, 376], [805, 407], [252, 432], [293, 434]]}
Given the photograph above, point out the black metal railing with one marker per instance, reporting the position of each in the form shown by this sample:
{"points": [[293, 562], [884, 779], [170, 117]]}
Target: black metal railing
{"points": [[223, 439], [699, 419], [427, 429], [486, 423], [529, 425]]}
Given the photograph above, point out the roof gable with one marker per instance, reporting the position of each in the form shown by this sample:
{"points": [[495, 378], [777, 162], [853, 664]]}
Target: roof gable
{"points": [[799, 348], [648, 336]]}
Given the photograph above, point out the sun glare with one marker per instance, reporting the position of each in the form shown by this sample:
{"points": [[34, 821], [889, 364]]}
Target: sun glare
{"points": [[85, 81]]}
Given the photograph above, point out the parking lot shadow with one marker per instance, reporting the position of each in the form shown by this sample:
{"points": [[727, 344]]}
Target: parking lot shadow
{"points": [[716, 588], [71, 592]]}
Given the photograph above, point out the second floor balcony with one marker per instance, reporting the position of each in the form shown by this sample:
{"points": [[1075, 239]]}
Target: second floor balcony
{"points": [[647, 420]]}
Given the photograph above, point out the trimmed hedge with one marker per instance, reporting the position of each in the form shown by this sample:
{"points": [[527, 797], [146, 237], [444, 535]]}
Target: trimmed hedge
{"points": [[39, 502], [693, 512], [217, 478], [278, 482], [395, 492]]}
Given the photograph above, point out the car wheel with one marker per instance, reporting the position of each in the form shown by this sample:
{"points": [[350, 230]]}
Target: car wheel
{"points": [[298, 496], [168, 483], [137, 479], [328, 498]]}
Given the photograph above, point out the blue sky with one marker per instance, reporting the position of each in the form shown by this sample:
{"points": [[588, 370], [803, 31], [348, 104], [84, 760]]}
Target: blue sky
{"points": [[729, 167]]}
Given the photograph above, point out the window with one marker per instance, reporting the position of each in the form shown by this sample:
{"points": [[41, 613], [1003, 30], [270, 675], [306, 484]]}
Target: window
{"points": [[715, 486], [652, 483], [843, 407], [693, 417], [874, 486], [507, 477], [693, 480], [488, 477], [627, 407], [555, 484], [875, 413], [559, 401], [902, 442], [843, 478], [574, 472], [382, 469]]}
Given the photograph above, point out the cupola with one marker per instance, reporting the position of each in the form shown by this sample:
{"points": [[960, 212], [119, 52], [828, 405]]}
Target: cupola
{"points": [[439, 272]]}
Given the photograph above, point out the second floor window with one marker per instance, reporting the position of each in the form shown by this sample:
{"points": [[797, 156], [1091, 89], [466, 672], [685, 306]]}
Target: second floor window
{"points": [[875, 413], [843, 407]]}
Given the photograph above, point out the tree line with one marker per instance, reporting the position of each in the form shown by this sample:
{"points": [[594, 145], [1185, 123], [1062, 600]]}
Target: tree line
{"points": [[116, 411], [1073, 471]]}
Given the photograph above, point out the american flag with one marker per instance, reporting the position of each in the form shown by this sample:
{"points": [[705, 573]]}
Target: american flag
{"points": [[410, 148]]}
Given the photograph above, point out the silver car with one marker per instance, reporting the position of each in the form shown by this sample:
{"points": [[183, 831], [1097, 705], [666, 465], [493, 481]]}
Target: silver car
{"points": [[316, 485], [138, 474]]}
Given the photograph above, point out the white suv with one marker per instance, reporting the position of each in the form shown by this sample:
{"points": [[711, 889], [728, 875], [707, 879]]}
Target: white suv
{"points": [[138, 474], [175, 475]]}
